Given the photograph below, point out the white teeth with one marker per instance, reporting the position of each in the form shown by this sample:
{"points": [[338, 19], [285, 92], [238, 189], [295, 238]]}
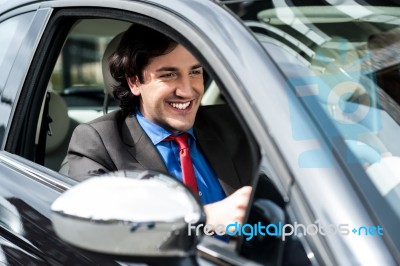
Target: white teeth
{"points": [[180, 106]]}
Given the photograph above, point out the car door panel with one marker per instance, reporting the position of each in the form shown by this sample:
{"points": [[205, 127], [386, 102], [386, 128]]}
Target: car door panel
{"points": [[19, 69], [27, 194]]}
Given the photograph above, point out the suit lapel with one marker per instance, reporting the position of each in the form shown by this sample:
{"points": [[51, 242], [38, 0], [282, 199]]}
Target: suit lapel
{"points": [[215, 153], [143, 151], [140, 146]]}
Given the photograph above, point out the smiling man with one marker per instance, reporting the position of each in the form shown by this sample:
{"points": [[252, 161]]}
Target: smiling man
{"points": [[162, 127], [171, 90]]}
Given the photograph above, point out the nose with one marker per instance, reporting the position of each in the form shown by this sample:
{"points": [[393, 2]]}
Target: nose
{"points": [[185, 88]]}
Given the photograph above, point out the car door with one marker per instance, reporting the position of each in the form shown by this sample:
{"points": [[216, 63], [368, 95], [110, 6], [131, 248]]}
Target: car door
{"points": [[28, 187], [17, 50], [23, 195]]}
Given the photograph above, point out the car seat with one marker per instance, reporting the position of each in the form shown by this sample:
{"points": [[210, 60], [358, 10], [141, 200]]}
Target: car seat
{"points": [[109, 81], [59, 133]]}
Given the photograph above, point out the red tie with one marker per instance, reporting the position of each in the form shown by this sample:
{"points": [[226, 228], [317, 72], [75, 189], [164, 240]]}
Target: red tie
{"points": [[188, 176]]}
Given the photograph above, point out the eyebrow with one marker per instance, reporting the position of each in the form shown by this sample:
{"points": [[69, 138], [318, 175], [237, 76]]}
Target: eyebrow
{"points": [[161, 69], [195, 66]]}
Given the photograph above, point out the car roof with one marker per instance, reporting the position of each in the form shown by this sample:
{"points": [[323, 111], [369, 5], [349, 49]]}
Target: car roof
{"points": [[6, 5], [16, 2]]}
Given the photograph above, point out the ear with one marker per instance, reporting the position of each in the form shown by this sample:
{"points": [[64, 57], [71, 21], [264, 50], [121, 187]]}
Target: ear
{"points": [[134, 85]]}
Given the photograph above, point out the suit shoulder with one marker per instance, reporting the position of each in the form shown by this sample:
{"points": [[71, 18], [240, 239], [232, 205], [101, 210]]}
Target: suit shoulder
{"points": [[115, 116], [106, 124]]}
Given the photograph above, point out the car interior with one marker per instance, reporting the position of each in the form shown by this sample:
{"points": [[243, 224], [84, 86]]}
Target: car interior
{"points": [[80, 89]]}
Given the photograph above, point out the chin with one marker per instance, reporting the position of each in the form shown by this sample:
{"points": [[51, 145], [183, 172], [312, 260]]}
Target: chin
{"points": [[180, 126], [182, 129]]}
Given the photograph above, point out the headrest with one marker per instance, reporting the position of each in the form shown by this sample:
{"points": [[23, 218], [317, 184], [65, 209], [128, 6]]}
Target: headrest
{"points": [[58, 112], [109, 81]]}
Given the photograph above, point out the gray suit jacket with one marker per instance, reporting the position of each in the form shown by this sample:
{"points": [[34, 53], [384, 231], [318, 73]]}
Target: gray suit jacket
{"points": [[114, 142]]}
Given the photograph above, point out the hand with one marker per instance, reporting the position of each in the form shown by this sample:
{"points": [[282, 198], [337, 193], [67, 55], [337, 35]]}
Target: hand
{"points": [[229, 210]]}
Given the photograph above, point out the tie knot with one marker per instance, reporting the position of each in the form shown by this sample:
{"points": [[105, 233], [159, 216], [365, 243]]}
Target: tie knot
{"points": [[181, 139]]}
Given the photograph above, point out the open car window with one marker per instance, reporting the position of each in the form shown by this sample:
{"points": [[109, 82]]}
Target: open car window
{"points": [[76, 92], [77, 75], [77, 84]]}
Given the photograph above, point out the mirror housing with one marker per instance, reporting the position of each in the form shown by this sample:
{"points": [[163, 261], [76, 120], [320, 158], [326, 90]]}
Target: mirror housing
{"points": [[129, 213]]}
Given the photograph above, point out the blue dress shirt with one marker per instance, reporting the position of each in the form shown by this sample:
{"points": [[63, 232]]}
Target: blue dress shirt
{"points": [[209, 188]]}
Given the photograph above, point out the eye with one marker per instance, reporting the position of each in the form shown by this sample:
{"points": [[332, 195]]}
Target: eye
{"points": [[169, 75], [196, 72]]}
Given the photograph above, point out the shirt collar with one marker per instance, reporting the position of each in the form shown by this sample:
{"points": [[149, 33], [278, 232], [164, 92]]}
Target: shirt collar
{"points": [[155, 132]]}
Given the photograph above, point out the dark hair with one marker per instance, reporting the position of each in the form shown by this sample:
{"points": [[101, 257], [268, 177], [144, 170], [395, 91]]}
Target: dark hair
{"points": [[138, 45]]}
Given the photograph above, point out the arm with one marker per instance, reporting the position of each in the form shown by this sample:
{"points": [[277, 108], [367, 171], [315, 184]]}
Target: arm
{"points": [[86, 154]]}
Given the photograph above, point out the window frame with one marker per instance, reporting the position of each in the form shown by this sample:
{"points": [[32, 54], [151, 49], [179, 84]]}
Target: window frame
{"points": [[20, 62]]}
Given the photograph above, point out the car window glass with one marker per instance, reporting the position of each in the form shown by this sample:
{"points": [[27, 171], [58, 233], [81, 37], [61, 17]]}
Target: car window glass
{"points": [[12, 32], [344, 67]]}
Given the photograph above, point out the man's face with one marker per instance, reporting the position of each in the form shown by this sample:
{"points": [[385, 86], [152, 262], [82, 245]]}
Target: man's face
{"points": [[171, 91]]}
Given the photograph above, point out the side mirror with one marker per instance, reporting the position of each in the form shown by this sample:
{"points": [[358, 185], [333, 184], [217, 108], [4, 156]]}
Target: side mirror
{"points": [[129, 213]]}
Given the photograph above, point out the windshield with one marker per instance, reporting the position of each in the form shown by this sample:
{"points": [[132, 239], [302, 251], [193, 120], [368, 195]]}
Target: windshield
{"points": [[344, 58]]}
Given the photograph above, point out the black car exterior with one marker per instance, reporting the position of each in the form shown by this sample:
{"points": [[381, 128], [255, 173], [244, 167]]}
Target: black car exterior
{"points": [[254, 82]]}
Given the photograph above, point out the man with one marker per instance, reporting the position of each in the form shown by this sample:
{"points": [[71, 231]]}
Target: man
{"points": [[160, 90]]}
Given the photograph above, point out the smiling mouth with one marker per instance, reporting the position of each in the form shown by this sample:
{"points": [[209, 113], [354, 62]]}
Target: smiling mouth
{"points": [[180, 106]]}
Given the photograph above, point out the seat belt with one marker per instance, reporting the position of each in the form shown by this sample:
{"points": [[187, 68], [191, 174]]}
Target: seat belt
{"points": [[45, 130]]}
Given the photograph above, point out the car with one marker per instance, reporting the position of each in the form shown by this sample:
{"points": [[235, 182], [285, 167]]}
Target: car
{"points": [[314, 84]]}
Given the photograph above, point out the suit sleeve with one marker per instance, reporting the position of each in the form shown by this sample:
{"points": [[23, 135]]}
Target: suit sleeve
{"points": [[87, 155]]}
